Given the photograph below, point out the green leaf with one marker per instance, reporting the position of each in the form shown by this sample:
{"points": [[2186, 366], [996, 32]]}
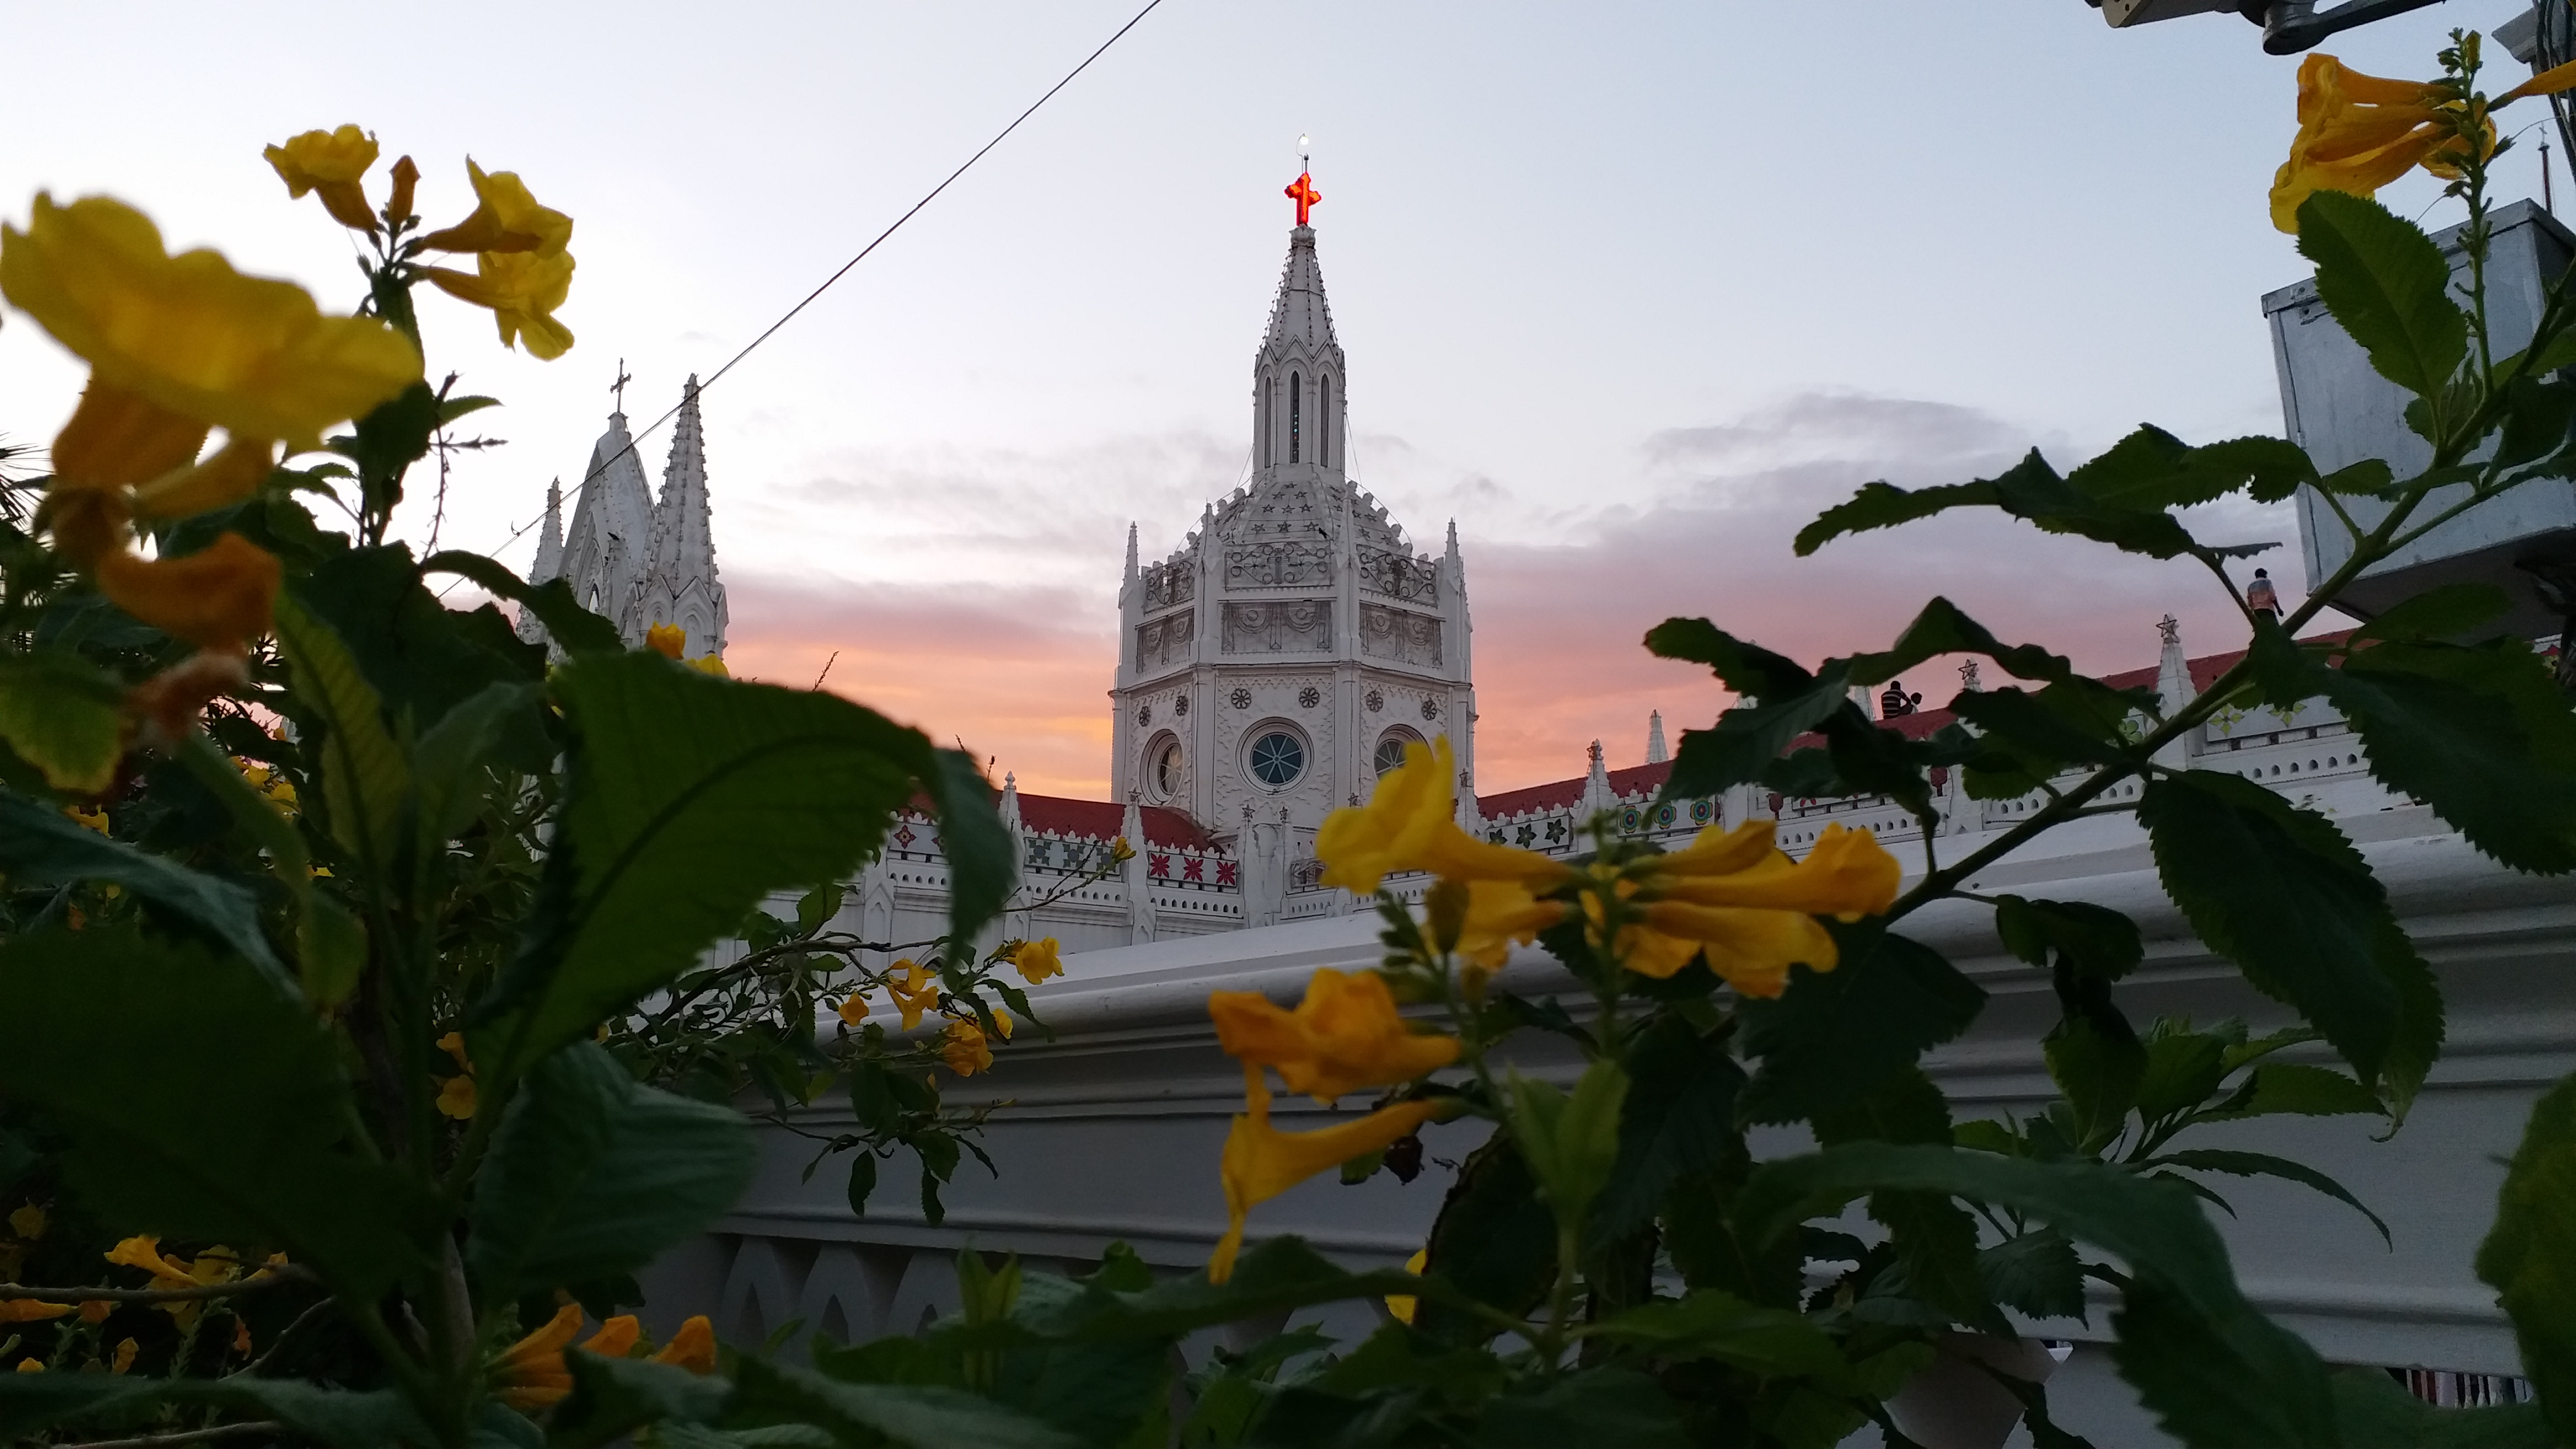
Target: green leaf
{"points": [[38, 846], [200, 1102], [2281, 892], [2373, 1411], [1935, 1239], [863, 1180], [2389, 286], [2100, 1066], [2036, 1273], [2183, 1068], [2484, 735], [2102, 941], [29, 1402], [574, 629], [1275, 1275], [1494, 1242], [422, 658], [1772, 1342], [2529, 1257], [613, 1397], [2445, 612], [365, 783], [450, 409], [592, 1174], [2296, 1088], [1572, 1140], [2215, 1371], [63, 717], [2263, 1164], [691, 799], [388, 441], [452, 761], [919, 1416], [1836, 1036], [1941, 628], [1678, 1118], [2048, 730], [1597, 1406], [1884, 505]]}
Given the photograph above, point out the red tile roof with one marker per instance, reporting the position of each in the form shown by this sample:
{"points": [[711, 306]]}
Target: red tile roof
{"points": [[1101, 819]]}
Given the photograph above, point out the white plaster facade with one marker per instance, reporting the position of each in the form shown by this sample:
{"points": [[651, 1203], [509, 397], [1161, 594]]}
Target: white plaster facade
{"points": [[631, 559]]}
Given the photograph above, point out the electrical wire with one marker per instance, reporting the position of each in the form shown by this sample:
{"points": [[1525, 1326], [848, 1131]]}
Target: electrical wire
{"points": [[932, 195]]}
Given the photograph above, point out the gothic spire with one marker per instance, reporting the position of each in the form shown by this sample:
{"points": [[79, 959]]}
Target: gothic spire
{"points": [[1300, 314], [549, 562], [681, 586]]}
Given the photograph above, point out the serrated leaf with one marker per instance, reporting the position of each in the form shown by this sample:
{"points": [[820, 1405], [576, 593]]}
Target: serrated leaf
{"points": [[1884, 505], [1942, 628], [1677, 1119], [2036, 1273], [2529, 1257], [2298, 1089], [2483, 735], [366, 783], [63, 717], [1771, 1342], [2444, 612], [2263, 1164], [2389, 287], [593, 1174], [691, 799], [38, 846], [574, 629], [2103, 941], [201, 1102], [1834, 1037], [1493, 1241], [2282, 893]]}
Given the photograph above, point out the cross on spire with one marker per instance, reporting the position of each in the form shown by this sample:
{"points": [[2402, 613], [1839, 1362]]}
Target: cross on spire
{"points": [[1302, 191], [619, 387]]}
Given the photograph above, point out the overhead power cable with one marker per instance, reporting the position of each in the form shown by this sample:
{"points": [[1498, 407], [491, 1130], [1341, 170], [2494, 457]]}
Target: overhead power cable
{"points": [[932, 195]]}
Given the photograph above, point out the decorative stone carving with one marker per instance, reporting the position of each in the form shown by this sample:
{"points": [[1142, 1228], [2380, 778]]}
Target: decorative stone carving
{"points": [[1293, 625], [1399, 634], [1399, 576], [1430, 709], [1309, 697], [1376, 700], [1169, 583], [1240, 699], [1285, 564], [1180, 706], [1163, 642]]}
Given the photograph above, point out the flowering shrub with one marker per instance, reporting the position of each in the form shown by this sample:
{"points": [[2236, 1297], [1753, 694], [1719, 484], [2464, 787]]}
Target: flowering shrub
{"points": [[429, 1016]]}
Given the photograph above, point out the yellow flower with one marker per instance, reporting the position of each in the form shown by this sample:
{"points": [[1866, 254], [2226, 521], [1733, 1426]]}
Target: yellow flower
{"points": [[1002, 1022], [2357, 133], [914, 990], [710, 664], [1736, 896], [456, 1098], [1037, 960], [330, 162], [666, 640], [530, 1374], [693, 1347], [1400, 1306], [96, 1310], [523, 289], [1343, 1036], [853, 1008], [126, 1349], [1262, 1162], [1411, 824], [505, 219], [29, 1222], [1499, 913], [966, 1051], [616, 1338], [31, 1366], [219, 598], [28, 1310], [88, 819], [1120, 852], [191, 335], [217, 1264], [454, 1045]]}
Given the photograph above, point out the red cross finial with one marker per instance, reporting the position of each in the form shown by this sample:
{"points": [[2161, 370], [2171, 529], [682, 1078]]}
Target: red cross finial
{"points": [[1302, 191]]}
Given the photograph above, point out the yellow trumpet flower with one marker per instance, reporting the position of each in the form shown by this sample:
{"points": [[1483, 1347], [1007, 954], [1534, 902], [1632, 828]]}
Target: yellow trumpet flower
{"points": [[1343, 1036]]}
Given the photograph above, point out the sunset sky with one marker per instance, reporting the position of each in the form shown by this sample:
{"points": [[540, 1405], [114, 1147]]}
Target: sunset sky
{"points": [[1629, 291]]}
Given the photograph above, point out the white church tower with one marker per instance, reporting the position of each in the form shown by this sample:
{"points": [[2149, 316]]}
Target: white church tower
{"points": [[1282, 658], [632, 561]]}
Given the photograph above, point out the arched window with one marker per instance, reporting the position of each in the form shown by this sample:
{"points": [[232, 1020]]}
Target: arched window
{"points": [[1324, 421], [1268, 389], [1296, 397]]}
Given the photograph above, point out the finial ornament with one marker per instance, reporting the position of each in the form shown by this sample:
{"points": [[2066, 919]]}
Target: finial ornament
{"points": [[2171, 628], [619, 387], [1302, 191]]}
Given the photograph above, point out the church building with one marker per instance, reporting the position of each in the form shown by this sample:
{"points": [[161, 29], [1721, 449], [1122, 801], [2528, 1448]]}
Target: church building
{"points": [[631, 559]]}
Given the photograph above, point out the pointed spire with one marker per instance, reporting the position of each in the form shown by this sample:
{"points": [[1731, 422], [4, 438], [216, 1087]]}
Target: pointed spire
{"points": [[1300, 314], [2173, 691], [682, 584], [1131, 551], [549, 562], [1597, 796], [1656, 751]]}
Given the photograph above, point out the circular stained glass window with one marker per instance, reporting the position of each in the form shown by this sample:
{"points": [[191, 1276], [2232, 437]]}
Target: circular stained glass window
{"points": [[1278, 758], [1168, 769]]}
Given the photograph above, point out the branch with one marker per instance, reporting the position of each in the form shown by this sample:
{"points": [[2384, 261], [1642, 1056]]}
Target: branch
{"points": [[264, 1280], [188, 1436]]}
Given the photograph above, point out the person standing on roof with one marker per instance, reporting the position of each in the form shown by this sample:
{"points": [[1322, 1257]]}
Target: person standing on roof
{"points": [[2260, 597]]}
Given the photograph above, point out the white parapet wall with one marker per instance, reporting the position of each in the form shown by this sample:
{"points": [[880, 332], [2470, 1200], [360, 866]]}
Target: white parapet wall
{"points": [[1109, 1130]]}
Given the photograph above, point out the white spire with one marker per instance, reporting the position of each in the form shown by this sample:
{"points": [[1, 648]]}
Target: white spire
{"points": [[1597, 796], [2173, 690], [549, 562], [1656, 751], [1131, 551], [1300, 314], [681, 587]]}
